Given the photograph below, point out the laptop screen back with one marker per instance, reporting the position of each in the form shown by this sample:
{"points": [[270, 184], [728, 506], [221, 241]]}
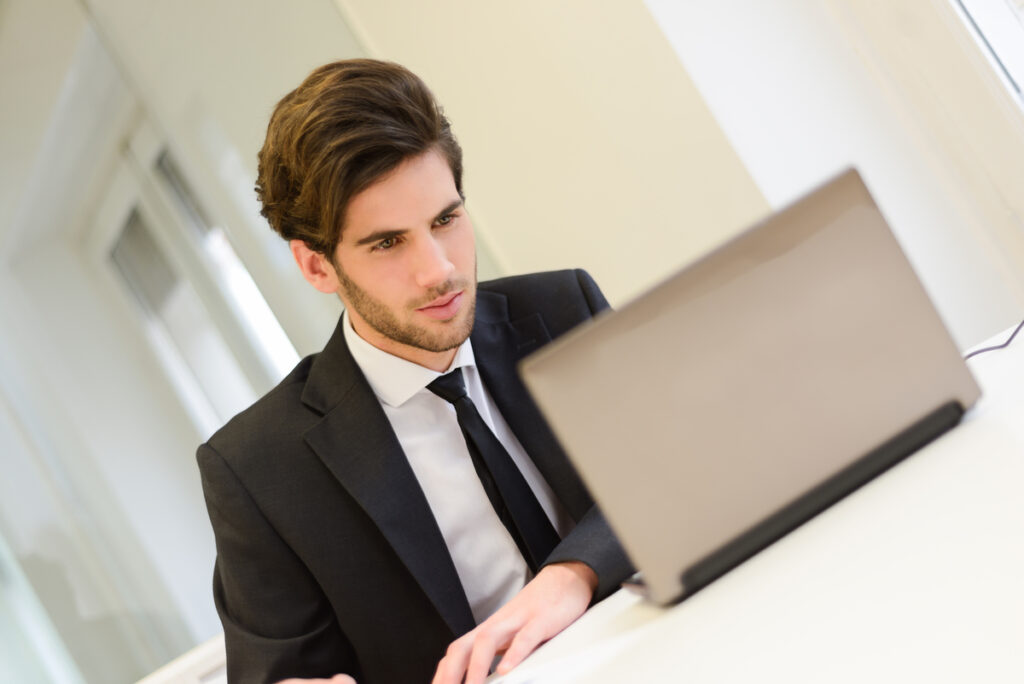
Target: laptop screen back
{"points": [[746, 379]]}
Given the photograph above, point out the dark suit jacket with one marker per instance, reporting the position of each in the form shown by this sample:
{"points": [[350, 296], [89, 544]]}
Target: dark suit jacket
{"points": [[328, 557]]}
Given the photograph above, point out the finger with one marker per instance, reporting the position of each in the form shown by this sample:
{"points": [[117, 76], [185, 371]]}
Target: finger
{"points": [[524, 643], [453, 665], [484, 647]]}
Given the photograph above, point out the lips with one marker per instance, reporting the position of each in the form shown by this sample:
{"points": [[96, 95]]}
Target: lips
{"points": [[443, 308]]}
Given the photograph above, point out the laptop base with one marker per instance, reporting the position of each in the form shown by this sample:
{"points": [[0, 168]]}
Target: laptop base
{"points": [[819, 498]]}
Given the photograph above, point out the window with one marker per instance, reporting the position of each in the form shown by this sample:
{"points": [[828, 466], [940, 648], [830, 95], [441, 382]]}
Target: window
{"points": [[999, 27], [210, 327], [261, 327], [186, 339], [33, 650]]}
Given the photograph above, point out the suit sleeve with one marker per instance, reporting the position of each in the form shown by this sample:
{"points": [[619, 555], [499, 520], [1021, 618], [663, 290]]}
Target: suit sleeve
{"points": [[277, 622], [592, 541]]}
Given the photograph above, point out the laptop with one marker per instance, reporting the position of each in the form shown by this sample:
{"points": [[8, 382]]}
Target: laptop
{"points": [[754, 388]]}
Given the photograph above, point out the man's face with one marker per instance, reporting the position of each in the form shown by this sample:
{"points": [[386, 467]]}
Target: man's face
{"points": [[406, 263]]}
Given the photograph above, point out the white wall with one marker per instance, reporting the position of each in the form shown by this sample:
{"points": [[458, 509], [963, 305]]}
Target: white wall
{"points": [[96, 448], [65, 500], [33, 648], [59, 512], [900, 91], [101, 503]]}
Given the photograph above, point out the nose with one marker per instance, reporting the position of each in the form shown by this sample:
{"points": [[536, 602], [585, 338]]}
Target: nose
{"points": [[432, 264]]}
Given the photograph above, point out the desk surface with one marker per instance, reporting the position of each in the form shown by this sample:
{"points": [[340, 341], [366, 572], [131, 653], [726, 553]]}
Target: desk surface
{"points": [[916, 577]]}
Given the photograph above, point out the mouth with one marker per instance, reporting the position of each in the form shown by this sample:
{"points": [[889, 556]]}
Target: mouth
{"points": [[443, 308]]}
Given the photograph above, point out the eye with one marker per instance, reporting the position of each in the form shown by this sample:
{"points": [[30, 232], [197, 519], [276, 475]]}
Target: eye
{"points": [[386, 244], [446, 219]]}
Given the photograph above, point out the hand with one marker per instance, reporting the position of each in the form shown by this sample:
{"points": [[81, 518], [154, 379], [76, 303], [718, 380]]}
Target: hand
{"points": [[336, 679], [549, 603]]}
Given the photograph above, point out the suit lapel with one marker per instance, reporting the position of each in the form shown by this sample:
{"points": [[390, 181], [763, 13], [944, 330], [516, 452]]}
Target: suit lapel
{"points": [[498, 345], [357, 444]]}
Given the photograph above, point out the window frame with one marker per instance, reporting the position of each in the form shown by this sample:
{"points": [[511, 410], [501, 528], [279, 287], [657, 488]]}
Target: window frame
{"points": [[135, 186]]}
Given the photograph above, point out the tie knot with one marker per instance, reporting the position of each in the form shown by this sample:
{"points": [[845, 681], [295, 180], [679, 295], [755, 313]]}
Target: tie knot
{"points": [[449, 387]]}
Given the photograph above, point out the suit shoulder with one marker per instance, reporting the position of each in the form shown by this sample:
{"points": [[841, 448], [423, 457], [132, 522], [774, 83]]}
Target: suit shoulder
{"points": [[574, 284], [541, 282], [275, 419], [569, 293]]}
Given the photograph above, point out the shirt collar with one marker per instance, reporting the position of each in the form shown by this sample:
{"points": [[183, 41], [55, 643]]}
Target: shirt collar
{"points": [[392, 379]]}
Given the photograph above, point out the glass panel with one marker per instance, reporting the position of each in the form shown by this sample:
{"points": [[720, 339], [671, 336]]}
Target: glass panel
{"points": [[189, 344], [33, 652], [261, 327], [183, 198], [999, 25]]}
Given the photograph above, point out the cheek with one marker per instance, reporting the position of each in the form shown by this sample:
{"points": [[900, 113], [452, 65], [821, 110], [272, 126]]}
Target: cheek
{"points": [[380, 281], [467, 246]]}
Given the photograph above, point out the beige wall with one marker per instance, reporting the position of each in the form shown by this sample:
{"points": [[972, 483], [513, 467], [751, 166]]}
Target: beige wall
{"points": [[586, 143]]}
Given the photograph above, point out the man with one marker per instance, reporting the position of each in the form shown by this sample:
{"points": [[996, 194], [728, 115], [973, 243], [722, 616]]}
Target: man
{"points": [[369, 521]]}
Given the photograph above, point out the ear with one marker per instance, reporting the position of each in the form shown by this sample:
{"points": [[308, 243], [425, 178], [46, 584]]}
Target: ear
{"points": [[315, 267]]}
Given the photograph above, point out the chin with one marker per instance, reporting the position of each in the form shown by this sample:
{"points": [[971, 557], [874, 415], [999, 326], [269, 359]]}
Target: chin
{"points": [[456, 331]]}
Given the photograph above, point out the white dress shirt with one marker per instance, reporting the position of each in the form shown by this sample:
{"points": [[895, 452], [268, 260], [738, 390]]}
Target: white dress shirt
{"points": [[486, 558]]}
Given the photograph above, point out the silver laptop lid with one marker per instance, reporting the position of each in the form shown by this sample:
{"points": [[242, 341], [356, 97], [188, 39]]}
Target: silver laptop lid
{"points": [[747, 379]]}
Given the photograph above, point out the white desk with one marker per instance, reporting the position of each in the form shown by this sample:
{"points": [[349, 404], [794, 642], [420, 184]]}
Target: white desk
{"points": [[916, 577]]}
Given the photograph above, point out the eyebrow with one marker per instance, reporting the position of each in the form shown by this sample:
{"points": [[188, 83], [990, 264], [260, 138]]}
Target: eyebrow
{"points": [[452, 206], [388, 233], [379, 235]]}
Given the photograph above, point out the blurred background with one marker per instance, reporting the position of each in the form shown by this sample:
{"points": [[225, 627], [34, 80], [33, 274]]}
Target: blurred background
{"points": [[143, 300]]}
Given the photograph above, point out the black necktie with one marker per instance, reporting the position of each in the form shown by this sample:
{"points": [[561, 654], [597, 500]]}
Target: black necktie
{"points": [[511, 496]]}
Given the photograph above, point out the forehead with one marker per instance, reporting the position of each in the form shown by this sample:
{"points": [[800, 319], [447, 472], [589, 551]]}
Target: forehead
{"points": [[413, 193]]}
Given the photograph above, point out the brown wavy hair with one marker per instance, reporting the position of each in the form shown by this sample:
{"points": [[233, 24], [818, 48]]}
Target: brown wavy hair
{"points": [[345, 127]]}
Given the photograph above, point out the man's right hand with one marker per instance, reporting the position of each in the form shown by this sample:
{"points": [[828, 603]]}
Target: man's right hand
{"points": [[549, 603], [336, 679]]}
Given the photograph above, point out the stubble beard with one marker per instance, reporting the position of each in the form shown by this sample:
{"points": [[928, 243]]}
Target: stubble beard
{"points": [[383, 320]]}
